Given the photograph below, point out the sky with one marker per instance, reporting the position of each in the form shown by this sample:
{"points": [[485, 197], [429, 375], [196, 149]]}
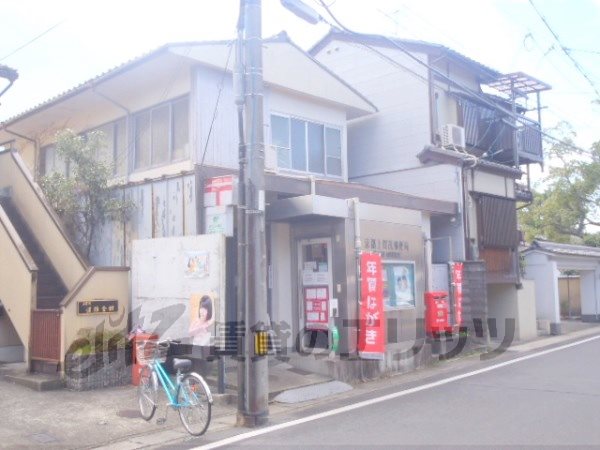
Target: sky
{"points": [[56, 45]]}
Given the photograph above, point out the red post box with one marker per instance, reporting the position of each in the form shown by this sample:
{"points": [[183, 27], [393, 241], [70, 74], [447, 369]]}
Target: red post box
{"points": [[436, 313], [135, 369]]}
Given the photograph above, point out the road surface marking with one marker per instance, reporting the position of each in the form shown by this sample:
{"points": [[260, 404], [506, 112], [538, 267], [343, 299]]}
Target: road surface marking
{"points": [[373, 401]]}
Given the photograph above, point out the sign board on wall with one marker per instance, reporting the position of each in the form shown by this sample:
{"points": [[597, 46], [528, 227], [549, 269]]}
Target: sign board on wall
{"points": [[178, 287], [97, 306], [219, 191], [371, 336]]}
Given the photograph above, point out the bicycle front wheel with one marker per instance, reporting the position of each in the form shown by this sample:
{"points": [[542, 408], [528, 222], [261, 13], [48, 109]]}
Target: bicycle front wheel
{"points": [[146, 394], [194, 407]]}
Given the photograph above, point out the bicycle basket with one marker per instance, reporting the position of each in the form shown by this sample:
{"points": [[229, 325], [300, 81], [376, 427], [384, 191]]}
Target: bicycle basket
{"points": [[148, 350]]}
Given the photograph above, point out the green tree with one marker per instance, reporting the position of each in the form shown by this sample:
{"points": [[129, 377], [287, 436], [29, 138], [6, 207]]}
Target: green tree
{"points": [[83, 200], [570, 202]]}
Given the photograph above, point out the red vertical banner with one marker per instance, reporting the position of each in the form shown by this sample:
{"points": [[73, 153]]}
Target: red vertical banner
{"points": [[371, 335], [457, 283]]}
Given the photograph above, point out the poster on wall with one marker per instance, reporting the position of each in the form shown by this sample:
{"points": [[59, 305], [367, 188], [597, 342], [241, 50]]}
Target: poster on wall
{"points": [[203, 309], [371, 334], [398, 284], [197, 264]]}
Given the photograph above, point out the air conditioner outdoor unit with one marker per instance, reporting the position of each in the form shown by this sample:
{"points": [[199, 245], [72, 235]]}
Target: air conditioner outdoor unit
{"points": [[453, 136]]}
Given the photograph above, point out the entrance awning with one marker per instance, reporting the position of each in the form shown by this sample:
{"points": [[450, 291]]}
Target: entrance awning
{"points": [[306, 206]]}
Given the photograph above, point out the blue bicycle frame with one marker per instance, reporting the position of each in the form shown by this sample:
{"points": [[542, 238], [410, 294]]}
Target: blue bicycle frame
{"points": [[167, 385]]}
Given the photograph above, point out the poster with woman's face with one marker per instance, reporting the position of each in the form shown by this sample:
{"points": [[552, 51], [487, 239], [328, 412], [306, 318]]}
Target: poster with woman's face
{"points": [[399, 284], [202, 319]]}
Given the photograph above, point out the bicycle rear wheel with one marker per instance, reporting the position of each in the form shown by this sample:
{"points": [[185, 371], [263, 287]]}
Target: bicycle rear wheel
{"points": [[194, 406], [146, 394]]}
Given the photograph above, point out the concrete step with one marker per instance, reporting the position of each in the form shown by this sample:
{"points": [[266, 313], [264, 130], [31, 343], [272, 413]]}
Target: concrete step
{"points": [[35, 381]]}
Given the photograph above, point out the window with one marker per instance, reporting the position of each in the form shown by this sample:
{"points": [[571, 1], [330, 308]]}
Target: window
{"points": [[306, 146], [113, 147], [161, 134], [53, 162]]}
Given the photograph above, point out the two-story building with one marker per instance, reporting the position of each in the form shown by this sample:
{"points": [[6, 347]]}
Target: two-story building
{"points": [[449, 128], [170, 123]]}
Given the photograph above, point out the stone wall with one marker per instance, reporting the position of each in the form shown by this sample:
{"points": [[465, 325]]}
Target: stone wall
{"points": [[98, 370]]}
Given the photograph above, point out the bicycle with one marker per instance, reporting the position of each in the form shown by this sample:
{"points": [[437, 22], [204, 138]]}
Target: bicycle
{"points": [[189, 394]]}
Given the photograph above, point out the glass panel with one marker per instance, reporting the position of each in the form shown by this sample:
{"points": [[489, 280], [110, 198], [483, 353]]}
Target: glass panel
{"points": [[298, 144], [160, 135], [280, 129], [334, 166], [181, 138], [316, 163], [284, 158], [334, 142], [49, 152], [105, 149], [142, 140], [121, 147]]}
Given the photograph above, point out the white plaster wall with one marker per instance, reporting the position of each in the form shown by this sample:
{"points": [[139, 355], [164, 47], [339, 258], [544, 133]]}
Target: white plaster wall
{"points": [[589, 293], [281, 265], [489, 183], [545, 275], [502, 305], [527, 322]]}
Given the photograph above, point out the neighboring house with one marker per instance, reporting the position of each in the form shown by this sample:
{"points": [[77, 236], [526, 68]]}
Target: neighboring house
{"points": [[437, 134], [544, 261], [171, 123]]}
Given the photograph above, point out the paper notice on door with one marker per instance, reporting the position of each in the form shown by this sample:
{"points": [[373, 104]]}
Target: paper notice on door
{"points": [[310, 266]]}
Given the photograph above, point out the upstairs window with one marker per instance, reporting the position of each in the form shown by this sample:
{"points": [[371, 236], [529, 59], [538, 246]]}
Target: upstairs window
{"points": [[306, 146], [113, 147], [161, 134]]}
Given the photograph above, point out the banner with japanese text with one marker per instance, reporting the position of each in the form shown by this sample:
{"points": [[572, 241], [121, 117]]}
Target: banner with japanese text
{"points": [[457, 270], [371, 336]]}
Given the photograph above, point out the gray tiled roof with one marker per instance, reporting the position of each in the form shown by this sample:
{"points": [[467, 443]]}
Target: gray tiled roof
{"points": [[564, 249]]}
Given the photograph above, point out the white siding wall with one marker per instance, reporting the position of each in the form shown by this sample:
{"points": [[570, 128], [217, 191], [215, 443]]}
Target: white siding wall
{"points": [[441, 182], [220, 144], [222, 148], [390, 139]]}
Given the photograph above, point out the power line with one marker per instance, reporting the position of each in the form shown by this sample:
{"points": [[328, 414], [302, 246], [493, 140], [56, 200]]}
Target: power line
{"points": [[32, 40], [565, 49], [581, 50], [464, 88]]}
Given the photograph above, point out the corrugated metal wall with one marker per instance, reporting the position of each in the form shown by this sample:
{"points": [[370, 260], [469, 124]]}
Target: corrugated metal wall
{"points": [[163, 208]]}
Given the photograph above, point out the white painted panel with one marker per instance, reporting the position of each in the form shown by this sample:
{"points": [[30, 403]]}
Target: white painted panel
{"points": [[159, 209], [489, 183], [441, 182]]}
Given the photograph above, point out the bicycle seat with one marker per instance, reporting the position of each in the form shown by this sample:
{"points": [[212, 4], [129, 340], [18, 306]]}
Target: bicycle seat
{"points": [[182, 364]]}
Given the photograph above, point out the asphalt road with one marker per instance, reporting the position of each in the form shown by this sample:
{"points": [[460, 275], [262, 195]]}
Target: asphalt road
{"points": [[550, 400]]}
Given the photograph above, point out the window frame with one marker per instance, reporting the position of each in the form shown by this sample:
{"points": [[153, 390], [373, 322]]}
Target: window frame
{"points": [[171, 135], [326, 153]]}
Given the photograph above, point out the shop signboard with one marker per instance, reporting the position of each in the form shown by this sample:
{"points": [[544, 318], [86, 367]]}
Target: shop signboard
{"points": [[371, 337]]}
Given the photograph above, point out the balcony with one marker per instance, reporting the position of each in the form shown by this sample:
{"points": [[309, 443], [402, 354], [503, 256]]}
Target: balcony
{"points": [[489, 133]]}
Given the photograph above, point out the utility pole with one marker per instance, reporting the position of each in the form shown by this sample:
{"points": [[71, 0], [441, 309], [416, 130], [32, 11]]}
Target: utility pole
{"points": [[253, 370]]}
